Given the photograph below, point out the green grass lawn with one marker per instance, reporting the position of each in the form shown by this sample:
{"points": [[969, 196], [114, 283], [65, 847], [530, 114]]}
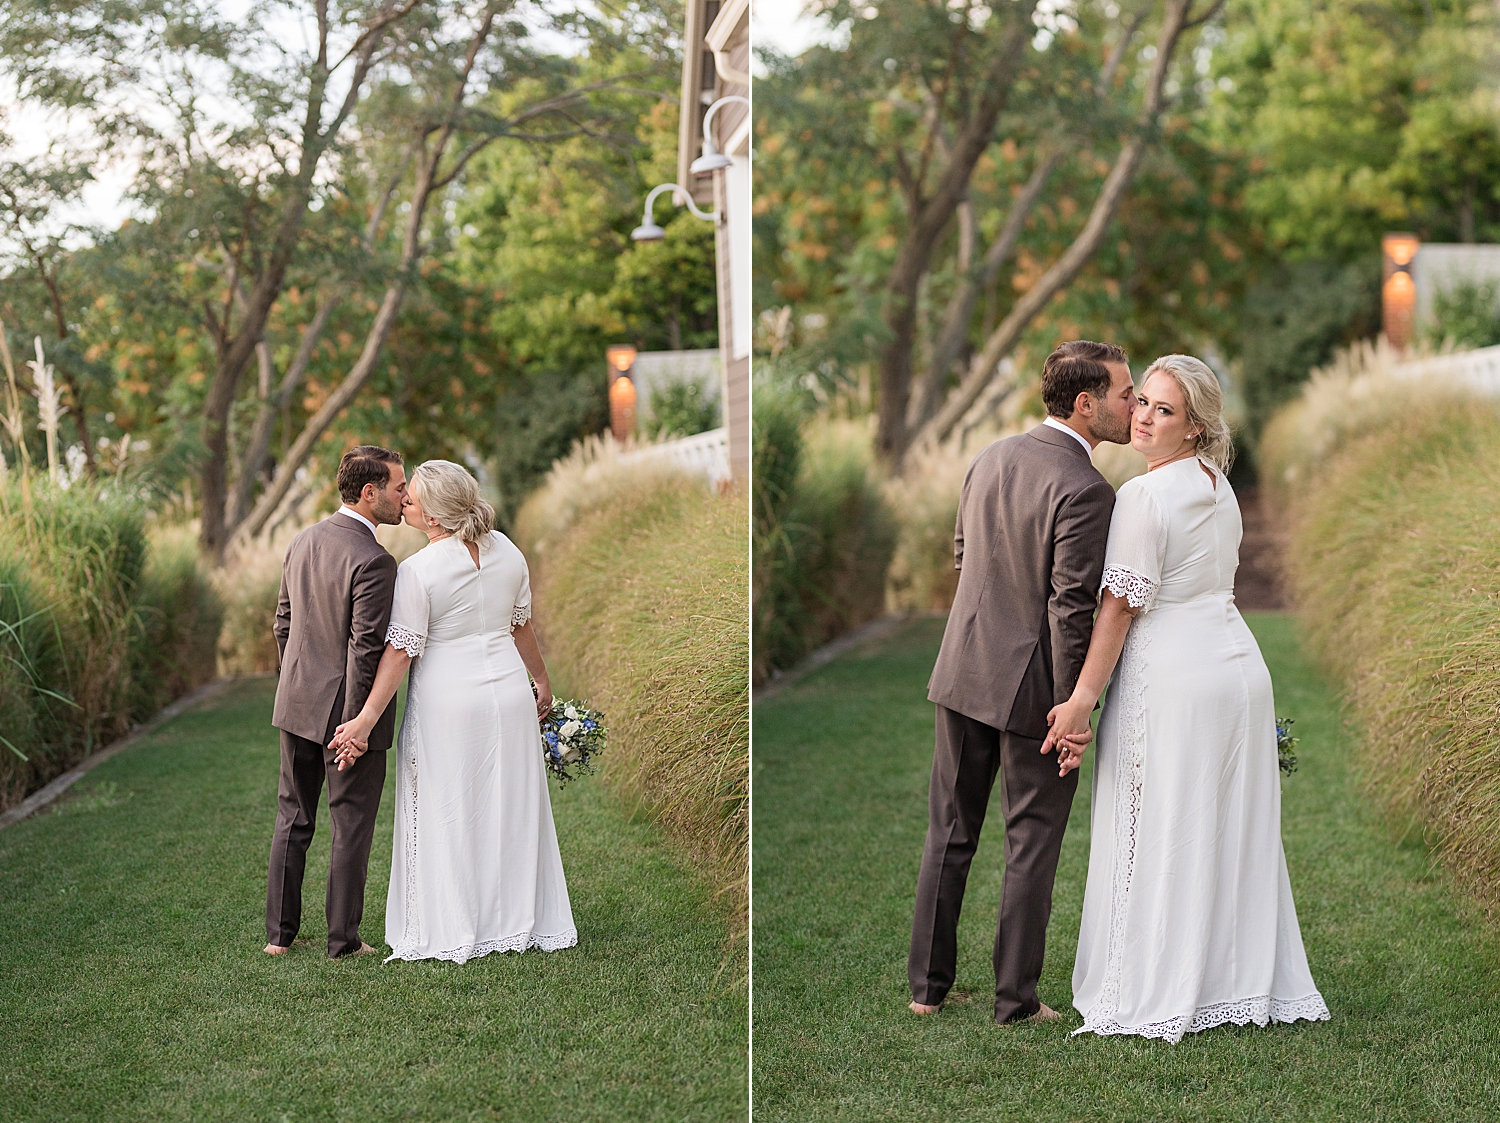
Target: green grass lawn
{"points": [[841, 763], [133, 985]]}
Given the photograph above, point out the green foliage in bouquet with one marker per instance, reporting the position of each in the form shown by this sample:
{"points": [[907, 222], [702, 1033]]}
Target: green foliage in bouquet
{"points": [[1286, 744]]}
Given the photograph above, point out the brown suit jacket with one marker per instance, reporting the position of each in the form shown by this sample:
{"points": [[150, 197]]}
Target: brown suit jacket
{"points": [[336, 589], [1033, 522]]}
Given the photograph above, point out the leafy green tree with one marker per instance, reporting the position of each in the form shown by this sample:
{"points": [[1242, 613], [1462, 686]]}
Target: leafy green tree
{"points": [[548, 231], [330, 173], [988, 152], [1357, 117]]}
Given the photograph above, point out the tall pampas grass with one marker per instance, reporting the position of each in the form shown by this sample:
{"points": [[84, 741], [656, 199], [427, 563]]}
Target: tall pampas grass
{"points": [[640, 576], [1391, 489]]}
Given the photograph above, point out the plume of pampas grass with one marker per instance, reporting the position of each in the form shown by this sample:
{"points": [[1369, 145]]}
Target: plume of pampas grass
{"points": [[49, 406]]}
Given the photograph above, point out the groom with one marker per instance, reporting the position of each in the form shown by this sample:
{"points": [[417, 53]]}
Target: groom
{"points": [[336, 589], [1033, 520]]}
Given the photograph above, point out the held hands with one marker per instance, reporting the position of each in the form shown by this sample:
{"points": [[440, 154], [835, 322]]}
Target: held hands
{"points": [[1069, 733], [351, 741]]}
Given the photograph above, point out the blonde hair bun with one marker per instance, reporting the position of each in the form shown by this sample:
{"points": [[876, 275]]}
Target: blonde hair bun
{"points": [[1205, 404], [450, 494]]}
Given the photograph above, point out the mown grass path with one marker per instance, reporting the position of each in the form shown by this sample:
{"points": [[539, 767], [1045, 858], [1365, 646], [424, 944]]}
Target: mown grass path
{"points": [[841, 763], [133, 986]]}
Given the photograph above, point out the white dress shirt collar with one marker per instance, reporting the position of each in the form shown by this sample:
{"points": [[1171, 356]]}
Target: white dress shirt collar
{"points": [[1056, 424], [353, 514]]}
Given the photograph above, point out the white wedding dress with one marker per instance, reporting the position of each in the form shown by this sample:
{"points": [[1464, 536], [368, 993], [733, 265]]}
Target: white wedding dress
{"points": [[475, 866], [1188, 919]]}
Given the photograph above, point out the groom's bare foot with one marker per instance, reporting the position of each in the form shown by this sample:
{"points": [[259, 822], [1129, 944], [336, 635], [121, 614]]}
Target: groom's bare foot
{"points": [[1044, 1013], [366, 949], [923, 1009], [276, 949]]}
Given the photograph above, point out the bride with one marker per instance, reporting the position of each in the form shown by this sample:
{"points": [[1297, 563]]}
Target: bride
{"points": [[1188, 919], [475, 866]]}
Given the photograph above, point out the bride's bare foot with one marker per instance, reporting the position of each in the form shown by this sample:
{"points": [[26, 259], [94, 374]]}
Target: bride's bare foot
{"points": [[923, 1008], [276, 949]]}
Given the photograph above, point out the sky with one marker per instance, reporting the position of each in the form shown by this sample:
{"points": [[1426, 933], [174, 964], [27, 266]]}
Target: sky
{"points": [[783, 25], [105, 202]]}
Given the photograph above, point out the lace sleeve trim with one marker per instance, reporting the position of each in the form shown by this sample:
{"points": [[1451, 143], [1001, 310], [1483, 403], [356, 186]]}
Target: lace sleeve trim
{"points": [[405, 640], [1139, 592], [520, 615]]}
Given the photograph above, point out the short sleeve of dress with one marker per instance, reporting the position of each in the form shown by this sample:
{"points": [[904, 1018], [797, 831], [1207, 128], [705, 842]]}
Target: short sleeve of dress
{"points": [[521, 613], [1137, 547], [410, 608]]}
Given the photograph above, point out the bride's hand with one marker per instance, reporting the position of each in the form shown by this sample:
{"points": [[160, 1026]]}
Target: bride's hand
{"points": [[349, 752], [354, 731], [543, 691], [1068, 733]]}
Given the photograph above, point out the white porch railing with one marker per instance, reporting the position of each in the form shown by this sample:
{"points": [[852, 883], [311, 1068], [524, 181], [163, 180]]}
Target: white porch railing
{"points": [[705, 453], [1478, 369]]}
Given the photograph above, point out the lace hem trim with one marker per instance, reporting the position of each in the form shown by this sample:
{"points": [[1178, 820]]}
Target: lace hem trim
{"points": [[1261, 1010], [404, 640], [522, 941], [1139, 592], [520, 615]]}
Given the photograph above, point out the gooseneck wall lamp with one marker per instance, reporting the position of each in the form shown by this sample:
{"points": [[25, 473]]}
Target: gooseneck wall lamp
{"points": [[711, 161], [648, 231]]}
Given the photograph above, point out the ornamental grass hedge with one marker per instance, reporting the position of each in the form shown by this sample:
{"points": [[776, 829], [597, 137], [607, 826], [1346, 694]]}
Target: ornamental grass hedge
{"points": [[1391, 492], [640, 580], [101, 624]]}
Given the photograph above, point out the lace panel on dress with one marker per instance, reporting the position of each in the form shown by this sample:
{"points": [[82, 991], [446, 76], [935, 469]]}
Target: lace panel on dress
{"points": [[405, 640], [519, 615], [1139, 592]]}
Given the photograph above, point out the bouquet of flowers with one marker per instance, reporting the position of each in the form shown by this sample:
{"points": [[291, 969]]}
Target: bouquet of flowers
{"points": [[1285, 744], [572, 736]]}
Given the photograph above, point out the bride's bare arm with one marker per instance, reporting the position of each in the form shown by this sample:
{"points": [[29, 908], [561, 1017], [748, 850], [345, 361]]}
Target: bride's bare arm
{"points": [[388, 676], [1071, 719], [531, 655]]}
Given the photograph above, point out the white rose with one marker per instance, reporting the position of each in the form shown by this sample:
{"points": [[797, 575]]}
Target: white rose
{"points": [[571, 753], [569, 712], [569, 728]]}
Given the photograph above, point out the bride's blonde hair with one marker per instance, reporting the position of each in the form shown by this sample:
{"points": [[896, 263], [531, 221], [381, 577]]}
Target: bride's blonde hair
{"points": [[448, 493], [1205, 404]]}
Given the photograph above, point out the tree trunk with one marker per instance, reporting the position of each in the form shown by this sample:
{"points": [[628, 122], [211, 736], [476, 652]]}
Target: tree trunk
{"points": [[953, 337], [983, 367], [412, 249], [929, 218], [236, 348], [75, 391]]}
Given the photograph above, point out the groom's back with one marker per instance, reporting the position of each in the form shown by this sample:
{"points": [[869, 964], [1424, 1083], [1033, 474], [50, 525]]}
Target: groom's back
{"points": [[1033, 521], [335, 571]]}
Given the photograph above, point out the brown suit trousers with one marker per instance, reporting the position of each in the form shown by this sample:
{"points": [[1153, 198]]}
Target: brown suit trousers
{"points": [[1033, 522], [353, 800], [1035, 803]]}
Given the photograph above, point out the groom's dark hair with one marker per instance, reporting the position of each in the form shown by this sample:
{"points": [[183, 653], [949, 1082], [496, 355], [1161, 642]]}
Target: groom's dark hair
{"points": [[1077, 367], [365, 464]]}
